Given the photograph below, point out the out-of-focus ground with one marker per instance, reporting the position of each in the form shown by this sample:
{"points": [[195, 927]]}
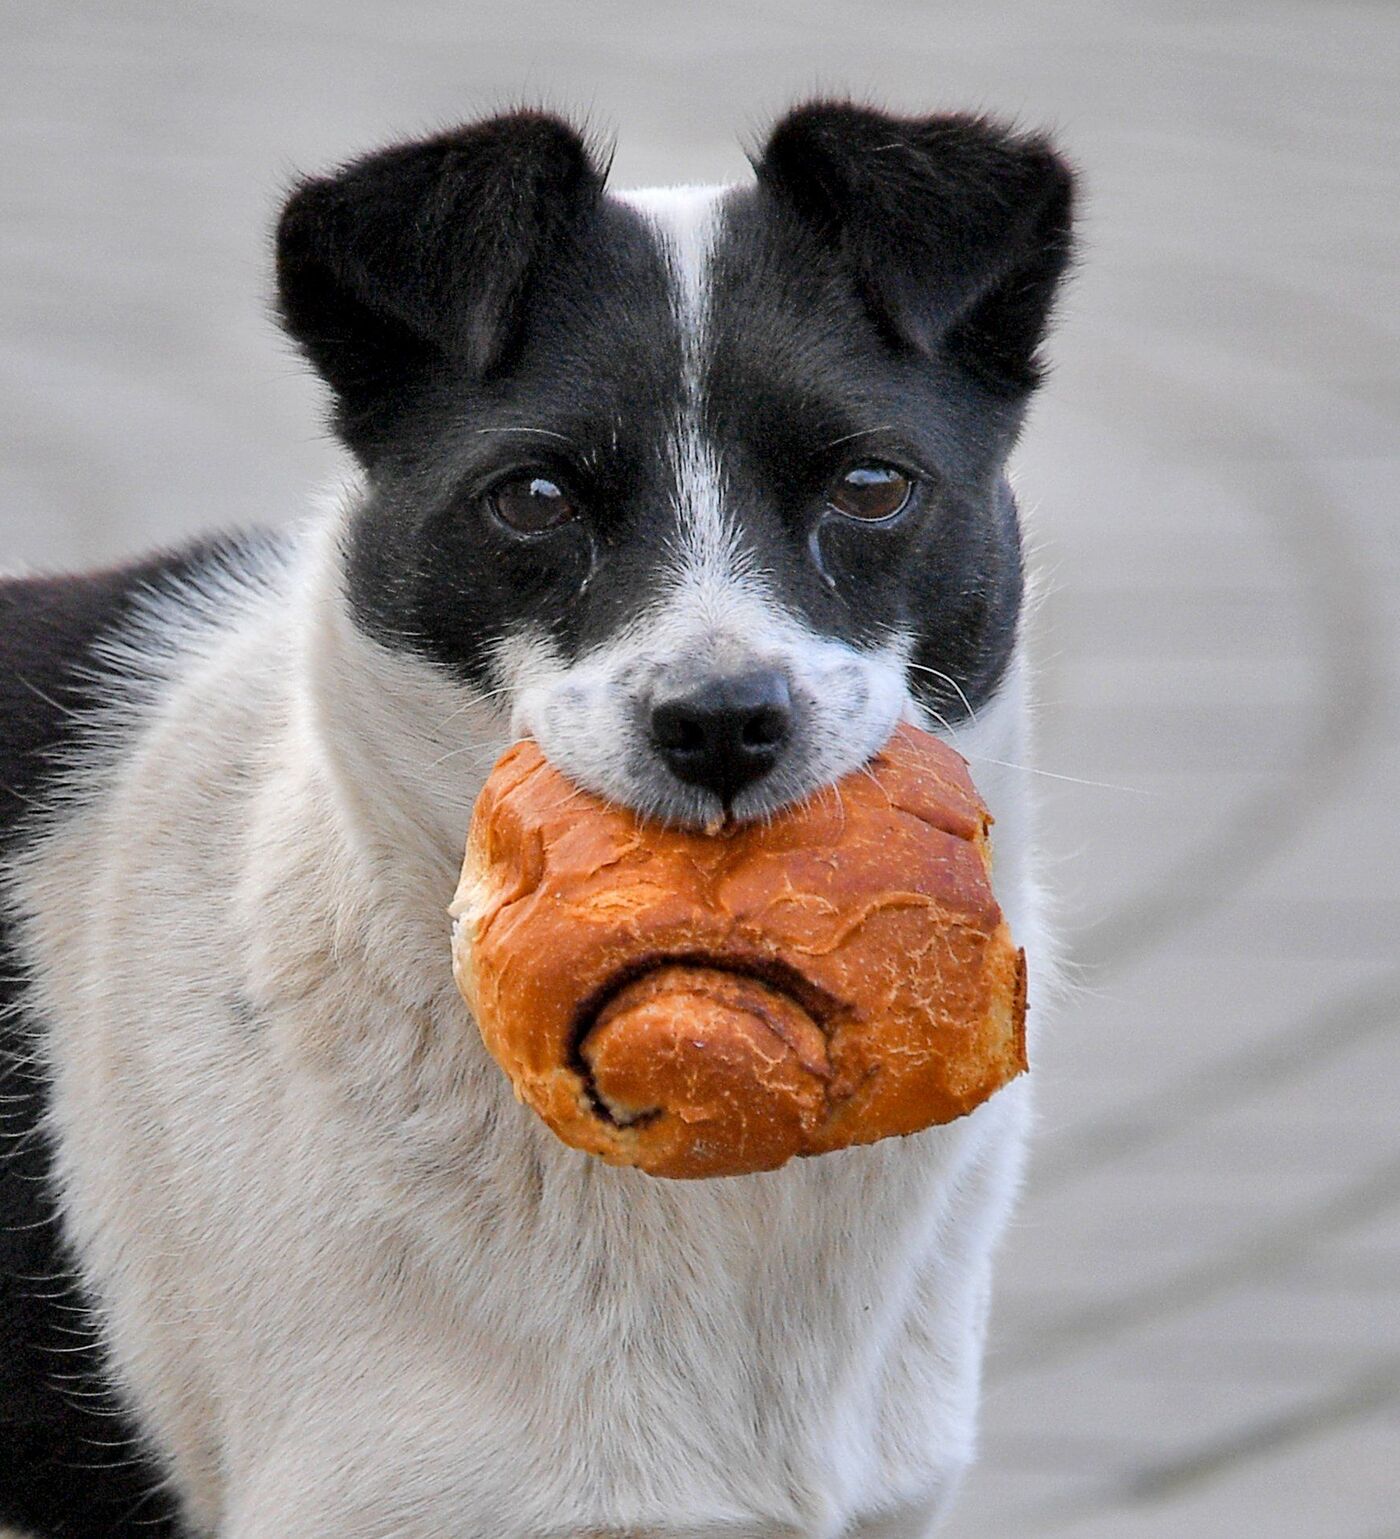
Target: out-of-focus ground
{"points": [[1197, 1328]]}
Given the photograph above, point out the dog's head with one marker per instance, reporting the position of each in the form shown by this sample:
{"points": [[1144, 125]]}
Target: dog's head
{"points": [[706, 485]]}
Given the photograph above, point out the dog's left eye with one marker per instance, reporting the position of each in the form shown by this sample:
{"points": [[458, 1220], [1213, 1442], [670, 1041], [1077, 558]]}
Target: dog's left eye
{"points": [[532, 504], [870, 490]]}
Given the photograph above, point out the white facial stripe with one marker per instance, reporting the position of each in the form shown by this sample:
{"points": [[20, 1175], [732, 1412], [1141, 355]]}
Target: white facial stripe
{"points": [[686, 221], [712, 573]]}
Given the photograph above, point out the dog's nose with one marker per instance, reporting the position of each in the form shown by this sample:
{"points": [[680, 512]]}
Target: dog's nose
{"points": [[727, 734]]}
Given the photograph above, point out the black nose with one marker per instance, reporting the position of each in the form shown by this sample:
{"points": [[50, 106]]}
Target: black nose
{"points": [[727, 734]]}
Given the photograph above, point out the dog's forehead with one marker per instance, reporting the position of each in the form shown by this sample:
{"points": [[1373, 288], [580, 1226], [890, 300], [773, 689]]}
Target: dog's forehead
{"points": [[684, 222], [771, 331], [702, 305], [616, 340]]}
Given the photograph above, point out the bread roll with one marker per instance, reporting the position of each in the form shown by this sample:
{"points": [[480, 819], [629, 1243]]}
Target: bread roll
{"points": [[713, 1004]]}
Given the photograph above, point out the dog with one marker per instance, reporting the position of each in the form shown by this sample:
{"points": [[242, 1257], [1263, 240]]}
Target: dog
{"points": [[703, 488]]}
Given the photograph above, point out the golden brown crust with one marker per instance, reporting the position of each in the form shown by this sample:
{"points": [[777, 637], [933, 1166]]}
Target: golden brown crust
{"points": [[847, 975]]}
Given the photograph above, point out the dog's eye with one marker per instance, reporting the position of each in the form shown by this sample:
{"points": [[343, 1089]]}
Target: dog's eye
{"points": [[870, 491], [531, 504]]}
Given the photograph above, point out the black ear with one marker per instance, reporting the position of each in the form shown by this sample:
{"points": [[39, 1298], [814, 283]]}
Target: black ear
{"points": [[957, 231], [420, 256]]}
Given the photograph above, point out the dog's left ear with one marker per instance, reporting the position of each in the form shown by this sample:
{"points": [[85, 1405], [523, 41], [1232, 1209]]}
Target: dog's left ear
{"points": [[418, 259], [956, 231]]}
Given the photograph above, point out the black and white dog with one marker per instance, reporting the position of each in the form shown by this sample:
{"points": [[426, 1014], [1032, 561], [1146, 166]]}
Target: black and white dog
{"points": [[705, 489]]}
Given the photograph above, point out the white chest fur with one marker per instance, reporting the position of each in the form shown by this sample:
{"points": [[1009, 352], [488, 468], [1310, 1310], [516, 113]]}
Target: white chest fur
{"points": [[352, 1287]]}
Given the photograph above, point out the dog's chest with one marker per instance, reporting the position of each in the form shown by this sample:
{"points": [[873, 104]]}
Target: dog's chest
{"points": [[595, 1354], [414, 1284]]}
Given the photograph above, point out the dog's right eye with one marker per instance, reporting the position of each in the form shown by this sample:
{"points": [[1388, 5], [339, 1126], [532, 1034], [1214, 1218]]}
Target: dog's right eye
{"points": [[871, 491], [531, 504]]}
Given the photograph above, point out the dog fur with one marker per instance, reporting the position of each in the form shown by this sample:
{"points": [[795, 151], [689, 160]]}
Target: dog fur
{"points": [[326, 1279]]}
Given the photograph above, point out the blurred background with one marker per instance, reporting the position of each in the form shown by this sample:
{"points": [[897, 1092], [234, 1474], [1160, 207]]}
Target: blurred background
{"points": [[1197, 1323]]}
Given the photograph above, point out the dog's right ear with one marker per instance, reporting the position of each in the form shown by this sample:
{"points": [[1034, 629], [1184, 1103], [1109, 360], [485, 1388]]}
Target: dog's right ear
{"points": [[955, 230], [420, 257]]}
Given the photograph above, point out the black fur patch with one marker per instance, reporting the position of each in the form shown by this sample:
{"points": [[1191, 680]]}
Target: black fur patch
{"points": [[956, 230], [71, 1463], [591, 397], [802, 381], [412, 263]]}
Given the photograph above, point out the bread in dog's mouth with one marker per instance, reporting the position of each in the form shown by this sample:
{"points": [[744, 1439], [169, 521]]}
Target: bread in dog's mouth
{"points": [[703, 1006]]}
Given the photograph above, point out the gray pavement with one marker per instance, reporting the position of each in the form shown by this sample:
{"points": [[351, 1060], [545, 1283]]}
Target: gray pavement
{"points": [[1197, 1328]]}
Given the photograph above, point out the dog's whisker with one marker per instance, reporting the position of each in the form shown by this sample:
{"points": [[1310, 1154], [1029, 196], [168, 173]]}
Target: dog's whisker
{"points": [[469, 705], [947, 679], [473, 752], [1031, 769]]}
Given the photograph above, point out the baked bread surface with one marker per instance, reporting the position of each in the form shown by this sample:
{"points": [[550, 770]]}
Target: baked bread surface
{"points": [[712, 1004]]}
